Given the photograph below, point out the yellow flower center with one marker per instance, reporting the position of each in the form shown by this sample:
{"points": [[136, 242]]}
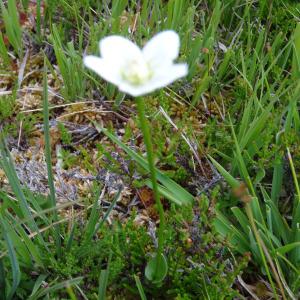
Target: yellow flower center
{"points": [[136, 72]]}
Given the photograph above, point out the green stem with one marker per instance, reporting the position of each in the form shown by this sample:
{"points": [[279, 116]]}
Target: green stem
{"points": [[150, 156]]}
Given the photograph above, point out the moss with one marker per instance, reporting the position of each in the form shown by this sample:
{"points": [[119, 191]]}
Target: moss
{"points": [[200, 264]]}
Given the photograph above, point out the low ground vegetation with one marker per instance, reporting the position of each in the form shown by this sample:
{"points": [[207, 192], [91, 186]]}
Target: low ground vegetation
{"points": [[78, 216]]}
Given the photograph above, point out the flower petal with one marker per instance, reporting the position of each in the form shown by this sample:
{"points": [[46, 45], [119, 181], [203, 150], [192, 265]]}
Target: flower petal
{"points": [[134, 91], [162, 48], [161, 79], [119, 49], [106, 70], [167, 75]]}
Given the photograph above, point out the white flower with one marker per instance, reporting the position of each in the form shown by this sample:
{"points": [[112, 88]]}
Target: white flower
{"points": [[138, 71]]}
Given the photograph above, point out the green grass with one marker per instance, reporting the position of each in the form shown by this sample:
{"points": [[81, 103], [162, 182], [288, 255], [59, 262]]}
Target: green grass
{"points": [[226, 153]]}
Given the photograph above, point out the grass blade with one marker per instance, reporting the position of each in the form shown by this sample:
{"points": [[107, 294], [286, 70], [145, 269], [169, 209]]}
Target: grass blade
{"points": [[140, 287], [16, 273], [49, 161], [2, 281], [103, 279], [173, 188]]}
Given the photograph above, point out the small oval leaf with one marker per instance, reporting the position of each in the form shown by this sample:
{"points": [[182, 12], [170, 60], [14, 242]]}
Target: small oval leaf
{"points": [[156, 269]]}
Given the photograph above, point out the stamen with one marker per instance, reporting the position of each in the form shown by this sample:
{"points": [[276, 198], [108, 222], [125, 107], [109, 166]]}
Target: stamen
{"points": [[137, 72]]}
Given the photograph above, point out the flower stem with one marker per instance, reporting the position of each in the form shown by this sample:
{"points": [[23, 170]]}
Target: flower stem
{"points": [[150, 156]]}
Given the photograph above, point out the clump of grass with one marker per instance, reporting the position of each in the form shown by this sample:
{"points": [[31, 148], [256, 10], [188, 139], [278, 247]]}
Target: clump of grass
{"points": [[13, 28], [70, 66], [7, 107]]}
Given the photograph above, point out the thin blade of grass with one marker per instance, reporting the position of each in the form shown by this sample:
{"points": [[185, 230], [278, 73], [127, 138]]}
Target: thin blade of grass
{"points": [[49, 161], [2, 281], [16, 273], [140, 287], [103, 280], [53, 288], [173, 188]]}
